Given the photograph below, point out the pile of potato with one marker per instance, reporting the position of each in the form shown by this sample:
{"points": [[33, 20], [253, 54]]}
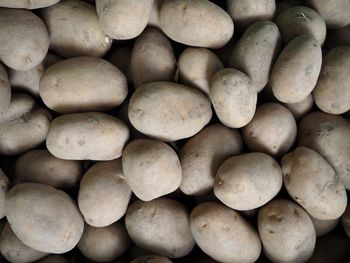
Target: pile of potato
{"points": [[159, 131]]}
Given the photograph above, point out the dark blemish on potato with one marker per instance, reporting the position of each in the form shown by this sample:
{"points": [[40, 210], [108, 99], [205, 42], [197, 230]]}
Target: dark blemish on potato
{"points": [[81, 142], [275, 217], [66, 140], [295, 212], [271, 231], [302, 16], [287, 178], [204, 225], [308, 70], [105, 9]]}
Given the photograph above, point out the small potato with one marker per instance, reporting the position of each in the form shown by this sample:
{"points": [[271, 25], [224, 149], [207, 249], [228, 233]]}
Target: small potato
{"points": [[345, 220], [233, 97], [299, 20], [104, 244], [5, 90], [53, 259], [151, 259], [223, 234], [151, 168], [332, 92], [44, 218], [248, 181], [256, 51], [197, 23], [296, 70], [201, 156], [4, 186], [339, 37], [121, 57], [123, 19], [286, 232], [300, 109], [197, 66], [83, 84], [87, 136], [23, 126], [272, 130], [169, 111], [111, 194], [160, 226], [24, 40], [312, 182], [152, 58], [25, 4], [323, 227]]}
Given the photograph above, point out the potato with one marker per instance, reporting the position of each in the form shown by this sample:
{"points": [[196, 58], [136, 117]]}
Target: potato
{"points": [[203, 153], [115, 17], [14, 250], [256, 52], [32, 4], [233, 97], [198, 23], [197, 66], [246, 12], [299, 20], [248, 181], [152, 58], [53, 259], [102, 244], [4, 186], [345, 220], [87, 136], [329, 136], [151, 259], [272, 130], [121, 57], [111, 194], [300, 109], [312, 182], [332, 92], [24, 40], [296, 70], [286, 232], [223, 234], [323, 227], [285, 4], [44, 218], [39, 166], [340, 37], [23, 126], [5, 90], [160, 226], [169, 111], [151, 168], [83, 84], [154, 17], [74, 29]]}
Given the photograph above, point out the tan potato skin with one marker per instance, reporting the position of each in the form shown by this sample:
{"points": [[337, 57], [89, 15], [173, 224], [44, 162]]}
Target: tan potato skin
{"points": [[32, 4], [323, 227], [4, 186], [53, 259], [43, 217], [151, 259], [5, 90], [286, 232], [300, 109], [345, 220], [223, 234], [197, 23]]}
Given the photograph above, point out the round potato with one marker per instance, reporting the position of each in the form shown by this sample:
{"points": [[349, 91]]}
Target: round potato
{"points": [[87, 136], [25, 4], [286, 232], [5, 90], [300, 109], [53, 259], [256, 51], [223, 234], [197, 23], [323, 227], [121, 57], [160, 226], [296, 70], [272, 130], [151, 259], [4, 186], [169, 111], [233, 97], [24, 40], [44, 218]]}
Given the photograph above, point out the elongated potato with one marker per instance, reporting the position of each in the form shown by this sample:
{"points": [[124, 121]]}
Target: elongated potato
{"points": [[53, 259], [198, 23], [300, 109], [5, 90], [151, 259], [87, 136], [25, 4], [323, 227], [256, 51], [180, 111], [4, 186], [280, 219], [223, 234], [44, 218], [345, 220]]}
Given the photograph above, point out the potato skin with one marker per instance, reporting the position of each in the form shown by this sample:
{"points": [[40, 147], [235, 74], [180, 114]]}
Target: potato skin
{"points": [[5, 90], [300, 109], [223, 234], [180, 111], [25, 4], [197, 23], [323, 227], [280, 219], [43, 217], [4, 186], [151, 259], [87, 136]]}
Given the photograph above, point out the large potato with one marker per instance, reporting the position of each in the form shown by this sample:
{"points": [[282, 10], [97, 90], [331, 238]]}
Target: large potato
{"points": [[296, 70], [151, 259], [169, 111], [323, 227], [44, 218], [87, 136], [198, 23], [202, 155], [160, 226], [54, 259], [332, 92], [233, 97], [248, 181], [24, 40], [255, 52], [32, 4], [4, 186], [223, 234], [300, 109], [345, 220], [286, 232], [111, 194], [5, 90]]}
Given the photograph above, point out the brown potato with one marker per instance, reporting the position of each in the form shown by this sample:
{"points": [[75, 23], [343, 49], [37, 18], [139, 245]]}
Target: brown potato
{"points": [[53, 259], [151, 259], [4, 186], [300, 109], [5, 90], [32, 4], [323, 227]]}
